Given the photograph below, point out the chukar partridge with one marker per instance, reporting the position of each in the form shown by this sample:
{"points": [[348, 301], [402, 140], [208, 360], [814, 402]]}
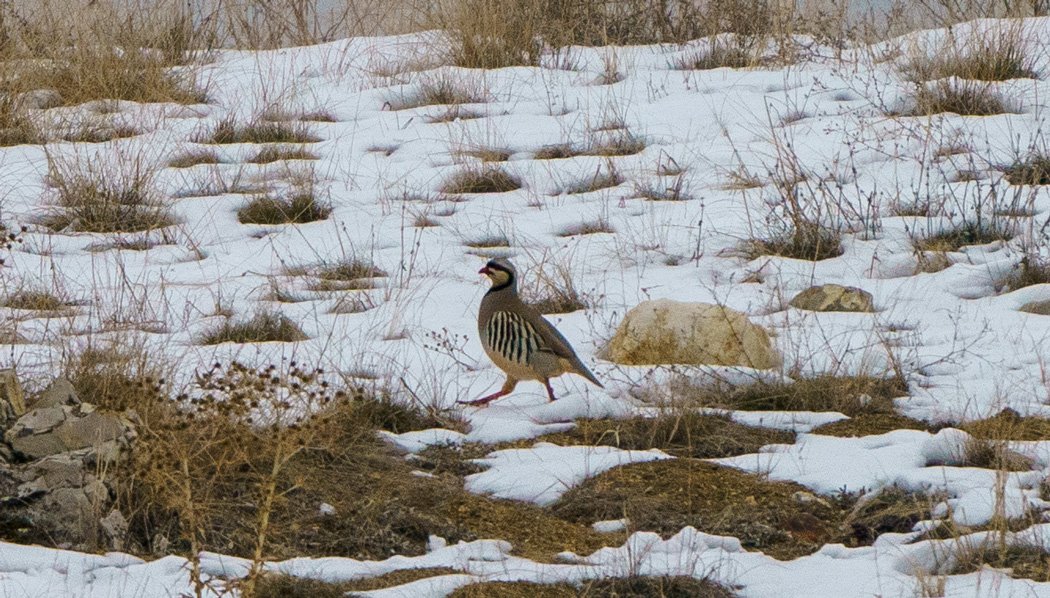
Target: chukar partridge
{"points": [[518, 339]]}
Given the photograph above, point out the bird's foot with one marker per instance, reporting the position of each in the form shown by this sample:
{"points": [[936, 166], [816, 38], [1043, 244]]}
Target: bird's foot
{"points": [[483, 400]]}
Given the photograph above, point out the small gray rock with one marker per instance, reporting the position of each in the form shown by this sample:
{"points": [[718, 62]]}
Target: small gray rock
{"points": [[59, 392], [41, 99], [114, 530]]}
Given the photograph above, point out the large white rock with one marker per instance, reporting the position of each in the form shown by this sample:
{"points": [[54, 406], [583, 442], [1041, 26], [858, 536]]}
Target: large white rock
{"points": [[666, 332]]}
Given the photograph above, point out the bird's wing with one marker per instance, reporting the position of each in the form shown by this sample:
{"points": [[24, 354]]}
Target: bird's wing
{"points": [[552, 340]]}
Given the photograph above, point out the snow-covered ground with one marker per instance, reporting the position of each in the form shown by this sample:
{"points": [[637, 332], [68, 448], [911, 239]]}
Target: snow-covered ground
{"points": [[968, 351]]}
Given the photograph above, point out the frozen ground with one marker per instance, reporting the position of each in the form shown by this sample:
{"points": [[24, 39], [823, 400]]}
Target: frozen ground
{"points": [[969, 352]]}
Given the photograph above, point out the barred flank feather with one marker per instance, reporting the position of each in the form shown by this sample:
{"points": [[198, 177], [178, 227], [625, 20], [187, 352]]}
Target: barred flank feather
{"points": [[512, 337]]}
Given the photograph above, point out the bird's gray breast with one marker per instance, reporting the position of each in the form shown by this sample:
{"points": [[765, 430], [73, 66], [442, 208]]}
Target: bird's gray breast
{"points": [[513, 338]]}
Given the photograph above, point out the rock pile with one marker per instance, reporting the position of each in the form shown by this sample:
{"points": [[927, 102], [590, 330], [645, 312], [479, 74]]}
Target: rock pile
{"points": [[53, 458]]}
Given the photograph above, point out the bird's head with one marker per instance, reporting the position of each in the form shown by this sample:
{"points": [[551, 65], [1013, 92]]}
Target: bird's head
{"points": [[500, 271]]}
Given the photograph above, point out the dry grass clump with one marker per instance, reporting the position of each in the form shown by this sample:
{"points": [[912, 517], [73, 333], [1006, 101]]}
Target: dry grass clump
{"points": [[349, 270], [34, 301], [194, 158], [1009, 425], [850, 395], [871, 424], [299, 208], [991, 454], [958, 96], [1023, 561], [552, 290], [489, 241], [442, 90], [1032, 170], [600, 180], [621, 587], [989, 57], [623, 143], [90, 133], [287, 586], [665, 496], [1029, 271], [676, 191], [113, 376], [715, 54], [258, 131], [557, 152], [268, 155], [889, 510], [682, 433], [593, 227], [804, 241], [16, 127], [488, 154], [967, 234], [103, 197], [103, 72], [263, 327], [489, 179]]}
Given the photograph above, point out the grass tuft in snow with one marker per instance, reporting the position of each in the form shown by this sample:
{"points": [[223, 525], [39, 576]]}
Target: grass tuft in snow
{"points": [[489, 179], [263, 327], [193, 158], [1032, 170], [101, 197], [34, 301], [1031, 270], [552, 290], [804, 241], [557, 152], [287, 586], [269, 155], [677, 432], [95, 133], [635, 586], [600, 180], [851, 395], [966, 234], [299, 208], [16, 127], [958, 96], [986, 57], [593, 227], [714, 54], [259, 131], [1023, 561], [441, 90]]}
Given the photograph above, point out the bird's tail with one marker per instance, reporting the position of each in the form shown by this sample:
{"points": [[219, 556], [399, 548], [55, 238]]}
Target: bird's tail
{"points": [[582, 370]]}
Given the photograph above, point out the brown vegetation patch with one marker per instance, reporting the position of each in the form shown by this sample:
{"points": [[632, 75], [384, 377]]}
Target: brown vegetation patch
{"points": [[228, 131], [683, 434], [966, 234], [287, 586], [600, 180], [1024, 562], [300, 208], [34, 301], [557, 152], [481, 180], [268, 155], [263, 327], [850, 395], [665, 496], [871, 424], [962, 97], [1032, 170], [193, 158], [588, 228], [620, 587], [1009, 425], [806, 241]]}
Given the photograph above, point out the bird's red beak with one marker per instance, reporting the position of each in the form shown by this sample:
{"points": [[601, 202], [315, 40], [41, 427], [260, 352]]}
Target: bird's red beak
{"points": [[485, 270]]}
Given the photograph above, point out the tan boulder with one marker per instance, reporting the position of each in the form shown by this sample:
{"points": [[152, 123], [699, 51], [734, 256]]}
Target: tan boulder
{"points": [[665, 332], [833, 297]]}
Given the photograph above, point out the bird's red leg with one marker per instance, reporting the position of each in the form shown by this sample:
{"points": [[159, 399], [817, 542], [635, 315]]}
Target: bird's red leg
{"points": [[550, 391], [508, 386]]}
